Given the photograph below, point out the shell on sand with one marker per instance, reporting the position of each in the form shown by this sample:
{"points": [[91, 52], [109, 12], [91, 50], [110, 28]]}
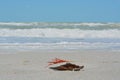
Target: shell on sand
{"points": [[68, 67]]}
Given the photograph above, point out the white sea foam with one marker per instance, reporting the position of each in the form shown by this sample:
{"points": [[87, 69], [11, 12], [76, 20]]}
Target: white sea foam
{"points": [[56, 24], [63, 45], [14, 24], [42, 35], [60, 33]]}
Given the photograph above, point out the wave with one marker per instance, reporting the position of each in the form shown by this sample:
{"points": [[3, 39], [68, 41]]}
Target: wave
{"points": [[14, 24], [60, 33], [57, 23], [84, 26], [62, 45]]}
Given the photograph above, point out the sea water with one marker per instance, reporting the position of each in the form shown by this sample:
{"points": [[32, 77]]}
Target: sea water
{"points": [[52, 35]]}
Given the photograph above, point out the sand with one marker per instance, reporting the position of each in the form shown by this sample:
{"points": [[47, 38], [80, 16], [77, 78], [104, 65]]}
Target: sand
{"points": [[31, 65]]}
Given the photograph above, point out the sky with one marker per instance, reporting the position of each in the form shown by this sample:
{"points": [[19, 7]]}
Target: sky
{"points": [[59, 10]]}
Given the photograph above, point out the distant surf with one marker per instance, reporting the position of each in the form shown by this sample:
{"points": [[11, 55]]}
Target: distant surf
{"points": [[59, 35]]}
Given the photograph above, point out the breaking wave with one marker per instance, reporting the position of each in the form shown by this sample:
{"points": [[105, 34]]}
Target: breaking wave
{"points": [[60, 33], [84, 26], [44, 35]]}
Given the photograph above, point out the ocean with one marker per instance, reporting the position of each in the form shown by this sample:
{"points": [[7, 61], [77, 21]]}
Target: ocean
{"points": [[59, 35]]}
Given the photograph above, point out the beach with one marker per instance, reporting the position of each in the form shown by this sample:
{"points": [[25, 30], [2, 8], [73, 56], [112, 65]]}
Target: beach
{"points": [[59, 40], [27, 47], [32, 65]]}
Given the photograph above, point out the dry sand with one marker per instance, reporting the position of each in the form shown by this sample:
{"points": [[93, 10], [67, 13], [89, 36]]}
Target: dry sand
{"points": [[31, 65]]}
